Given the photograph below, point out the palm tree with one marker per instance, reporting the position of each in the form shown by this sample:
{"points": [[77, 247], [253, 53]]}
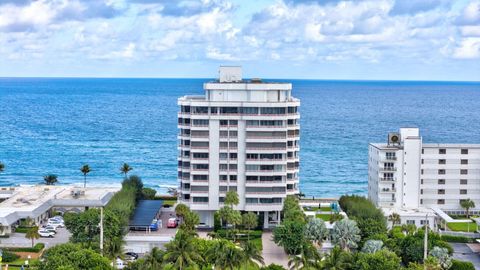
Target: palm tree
{"points": [[154, 259], [225, 255], [50, 179], [181, 252], [114, 248], [251, 254], [316, 230], [125, 169], [85, 169], [395, 219], [181, 210], [336, 260], [231, 198], [2, 167], [467, 204], [32, 234], [249, 221], [346, 234]]}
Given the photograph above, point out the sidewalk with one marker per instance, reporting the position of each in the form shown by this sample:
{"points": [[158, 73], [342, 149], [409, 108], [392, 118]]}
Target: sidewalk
{"points": [[273, 253]]}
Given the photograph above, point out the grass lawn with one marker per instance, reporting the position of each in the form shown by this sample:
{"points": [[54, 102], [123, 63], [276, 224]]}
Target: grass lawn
{"points": [[325, 217], [169, 202], [326, 209], [310, 208], [462, 227]]}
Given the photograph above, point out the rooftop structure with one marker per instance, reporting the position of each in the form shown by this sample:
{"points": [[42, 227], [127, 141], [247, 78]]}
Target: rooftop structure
{"points": [[36, 201], [242, 135]]}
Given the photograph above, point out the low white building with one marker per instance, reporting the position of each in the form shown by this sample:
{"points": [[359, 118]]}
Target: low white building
{"points": [[37, 202], [405, 173]]}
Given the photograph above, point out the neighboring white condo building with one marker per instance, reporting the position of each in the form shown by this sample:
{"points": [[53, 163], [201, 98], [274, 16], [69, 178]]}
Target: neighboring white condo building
{"points": [[242, 135], [407, 175]]}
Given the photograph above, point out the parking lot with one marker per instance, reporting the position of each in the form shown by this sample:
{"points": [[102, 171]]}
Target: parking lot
{"points": [[19, 240]]}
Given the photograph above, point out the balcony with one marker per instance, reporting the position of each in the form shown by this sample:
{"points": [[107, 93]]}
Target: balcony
{"points": [[388, 190], [387, 179], [388, 169]]}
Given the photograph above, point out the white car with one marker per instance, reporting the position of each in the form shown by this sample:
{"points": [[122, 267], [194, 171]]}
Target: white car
{"points": [[45, 233], [55, 219], [50, 229], [56, 224]]}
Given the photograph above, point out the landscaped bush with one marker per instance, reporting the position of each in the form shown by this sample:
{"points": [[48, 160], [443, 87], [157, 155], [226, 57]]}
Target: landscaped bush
{"points": [[8, 256], [369, 218], [22, 229], [461, 265], [457, 239], [37, 248], [245, 234]]}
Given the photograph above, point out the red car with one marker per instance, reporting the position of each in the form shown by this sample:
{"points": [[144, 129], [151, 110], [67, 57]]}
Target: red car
{"points": [[172, 223]]}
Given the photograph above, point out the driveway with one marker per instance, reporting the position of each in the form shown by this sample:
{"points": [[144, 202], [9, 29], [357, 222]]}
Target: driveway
{"points": [[273, 253], [464, 252], [19, 240]]}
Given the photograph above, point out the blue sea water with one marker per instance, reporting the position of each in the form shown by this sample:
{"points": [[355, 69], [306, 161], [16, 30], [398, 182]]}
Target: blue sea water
{"points": [[57, 125]]}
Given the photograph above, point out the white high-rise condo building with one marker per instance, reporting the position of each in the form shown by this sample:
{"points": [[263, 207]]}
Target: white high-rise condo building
{"points": [[405, 173], [242, 135]]}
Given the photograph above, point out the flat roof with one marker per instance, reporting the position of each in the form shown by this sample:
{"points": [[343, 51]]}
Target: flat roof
{"points": [[145, 212]]}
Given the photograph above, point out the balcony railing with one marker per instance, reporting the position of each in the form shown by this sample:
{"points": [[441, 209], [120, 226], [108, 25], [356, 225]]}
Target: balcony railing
{"points": [[388, 169], [387, 179]]}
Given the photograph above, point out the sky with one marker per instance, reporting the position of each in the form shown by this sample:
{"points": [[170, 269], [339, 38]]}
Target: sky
{"points": [[304, 39]]}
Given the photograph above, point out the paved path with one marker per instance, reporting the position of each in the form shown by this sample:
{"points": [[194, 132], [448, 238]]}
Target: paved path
{"points": [[19, 240], [464, 253], [273, 253]]}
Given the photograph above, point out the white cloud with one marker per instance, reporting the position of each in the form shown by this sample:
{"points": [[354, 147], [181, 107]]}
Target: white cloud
{"points": [[469, 48]]}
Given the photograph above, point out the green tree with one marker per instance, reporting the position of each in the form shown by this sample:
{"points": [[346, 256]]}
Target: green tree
{"points": [[224, 255], [32, 234], [290, 235], [181, 210], [316, 231], [411, 249], [85, 169], [191, 220], [114, 248], [372, 246], [181, 253], [382, 259], [461, 265], [441, 254], [337, 260], [71, 256], [148, 193], [307, 259], [249, 221], [467, 205], [394, 218], [251, 254], [50, 179], [231, 198], [125, 169], [154, 259], [346, 234]]}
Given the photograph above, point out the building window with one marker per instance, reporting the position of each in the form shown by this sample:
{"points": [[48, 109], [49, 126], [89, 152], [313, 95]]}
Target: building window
{"points": [[422, 160], [223, 178], [442, 161], [200, 199], [441, 201], [464, 151], [421, 181], [463, 181], [233, 178], [464, 161], [423, 222], [423, 151], [441, 191], [463, 191], [410, 221], [421, 191], [441, 171], [442, 151], [421, 201], [421, 171], [463, 171], [441, 181]]}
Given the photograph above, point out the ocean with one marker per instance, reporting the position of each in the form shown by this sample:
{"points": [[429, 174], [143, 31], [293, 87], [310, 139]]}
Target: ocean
{"points": [[55, 125]]}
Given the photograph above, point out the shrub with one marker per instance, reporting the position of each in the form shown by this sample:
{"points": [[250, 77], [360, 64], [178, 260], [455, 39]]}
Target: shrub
{"points": [[228, 235], [8, 256], [272, 267], [22, 229], [461, 265], [456, 239], [37, 248]]}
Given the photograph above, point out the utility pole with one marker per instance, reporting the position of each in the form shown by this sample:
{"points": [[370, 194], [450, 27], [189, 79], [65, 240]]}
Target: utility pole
{"points": [[425, 241], [101, 230]]}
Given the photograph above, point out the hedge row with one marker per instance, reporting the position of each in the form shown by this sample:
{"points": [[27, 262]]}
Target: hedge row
{"points": [[245, 234], [37, 248], [461, 265], [457, 239]]}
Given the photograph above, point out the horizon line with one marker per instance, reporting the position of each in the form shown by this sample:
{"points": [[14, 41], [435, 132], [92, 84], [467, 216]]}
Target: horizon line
{"points": [[198, 78]]}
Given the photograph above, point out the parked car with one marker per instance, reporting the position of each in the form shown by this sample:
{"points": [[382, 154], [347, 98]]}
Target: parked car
{"points": [[56, 224], [55, 219], [119, 264], [172, 223], [45, 233], [50, 229], [130, 256]]}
